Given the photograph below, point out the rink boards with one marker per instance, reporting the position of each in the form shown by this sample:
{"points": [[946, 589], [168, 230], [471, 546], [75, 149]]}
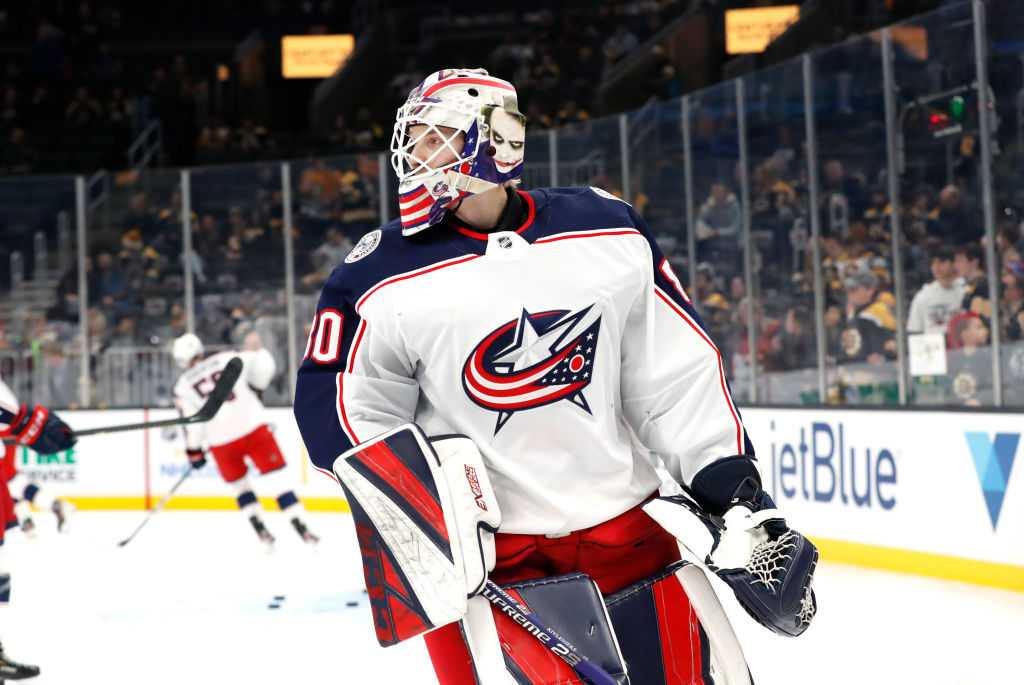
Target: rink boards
{"points": [[933, 493]]}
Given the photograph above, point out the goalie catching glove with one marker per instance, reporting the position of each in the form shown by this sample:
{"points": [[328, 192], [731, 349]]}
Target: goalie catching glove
{"points": [[425, 517], [746, 542]]}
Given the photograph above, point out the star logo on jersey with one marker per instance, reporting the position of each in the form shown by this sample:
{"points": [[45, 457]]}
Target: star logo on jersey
{"points": [[533, 361]]}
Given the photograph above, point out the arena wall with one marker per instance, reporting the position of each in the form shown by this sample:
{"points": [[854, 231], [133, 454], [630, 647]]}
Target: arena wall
{"points": [[930, 493]]}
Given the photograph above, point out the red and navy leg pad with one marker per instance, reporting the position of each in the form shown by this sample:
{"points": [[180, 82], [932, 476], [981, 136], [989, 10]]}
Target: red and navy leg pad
{"points": [[661, 638], [397, 613], [424, 527], [572, 606]]}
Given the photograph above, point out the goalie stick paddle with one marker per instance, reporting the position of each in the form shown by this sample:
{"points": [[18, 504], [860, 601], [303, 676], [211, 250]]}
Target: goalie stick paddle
{"points": [[514, 609], [221, 390], [159, 507]]}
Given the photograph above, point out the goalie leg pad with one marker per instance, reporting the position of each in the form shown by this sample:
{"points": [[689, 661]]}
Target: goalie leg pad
{"points": [[498, 643], [425, 515], [661, 636]]}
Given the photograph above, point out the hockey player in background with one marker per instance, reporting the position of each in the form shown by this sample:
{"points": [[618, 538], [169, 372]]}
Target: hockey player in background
{"points": [[497, 375], [39, 429], [238, 431]]}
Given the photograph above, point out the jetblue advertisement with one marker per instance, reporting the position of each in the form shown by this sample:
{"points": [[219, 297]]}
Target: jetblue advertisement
{"points": [[942, 483]]}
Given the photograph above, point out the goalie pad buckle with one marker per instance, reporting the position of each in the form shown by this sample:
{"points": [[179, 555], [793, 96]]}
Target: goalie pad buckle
{"points": [[425, 515]]}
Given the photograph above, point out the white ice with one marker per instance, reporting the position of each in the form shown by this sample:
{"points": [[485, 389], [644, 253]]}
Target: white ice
{"points": [[187, 602]]}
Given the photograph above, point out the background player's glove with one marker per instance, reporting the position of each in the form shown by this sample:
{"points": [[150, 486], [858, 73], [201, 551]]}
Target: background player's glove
{"points": [[42, 430], [196, 458]]}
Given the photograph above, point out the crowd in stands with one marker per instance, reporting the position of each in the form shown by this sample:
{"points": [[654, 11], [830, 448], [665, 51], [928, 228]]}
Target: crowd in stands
{"points": [[135, 269], [944, 275], [135, 272]]}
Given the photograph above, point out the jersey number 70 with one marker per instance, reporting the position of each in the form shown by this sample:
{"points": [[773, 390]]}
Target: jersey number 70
{"points": [[324, 343]]}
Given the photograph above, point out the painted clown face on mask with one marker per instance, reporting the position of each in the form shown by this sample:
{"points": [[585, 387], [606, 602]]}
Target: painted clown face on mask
{"points": [[507, 132]]}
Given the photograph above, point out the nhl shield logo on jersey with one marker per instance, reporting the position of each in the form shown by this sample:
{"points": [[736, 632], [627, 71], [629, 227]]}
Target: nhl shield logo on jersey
{"points": [[367, 244], [533, 361]]}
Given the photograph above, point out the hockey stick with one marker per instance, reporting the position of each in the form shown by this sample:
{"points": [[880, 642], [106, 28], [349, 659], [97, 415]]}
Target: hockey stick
{"points": [[214, 400], [221, 391], [561, 647], [158, 508]]}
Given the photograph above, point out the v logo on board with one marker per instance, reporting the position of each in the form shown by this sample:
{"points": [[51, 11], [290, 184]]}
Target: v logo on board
{"points": [[993, 461]]}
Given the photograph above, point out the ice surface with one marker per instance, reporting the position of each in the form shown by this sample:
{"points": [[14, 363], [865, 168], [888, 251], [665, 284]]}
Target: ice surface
{"points": [[188, 602]]}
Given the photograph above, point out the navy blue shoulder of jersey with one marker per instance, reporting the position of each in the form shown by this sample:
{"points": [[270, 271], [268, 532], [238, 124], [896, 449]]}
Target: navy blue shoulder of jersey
{"points": [[392, 254], [555, 210], [581, 208]]}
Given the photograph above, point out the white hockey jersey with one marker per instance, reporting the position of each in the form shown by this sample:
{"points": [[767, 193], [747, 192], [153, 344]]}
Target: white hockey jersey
{"points": [[567, 350], [241, 413]]}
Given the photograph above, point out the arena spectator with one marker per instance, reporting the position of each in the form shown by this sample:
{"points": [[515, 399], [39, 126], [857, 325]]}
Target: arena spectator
{"points": [[795, 346], [867, 334], [324, 258], [125, 333], [84, 111], [936, 302], [18, 156], [1012, 304], [619, 44], [969, 360], [952, 224], [842, 193], [969, 263], [718, 226]]}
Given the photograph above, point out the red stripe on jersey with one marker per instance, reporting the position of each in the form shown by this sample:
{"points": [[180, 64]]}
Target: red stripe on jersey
{"points": [[341, 411], [382, 461], [531, 213], [721, 369], [462, 81], [329, 474], [413, 274], [355, 346], [595, 234]]}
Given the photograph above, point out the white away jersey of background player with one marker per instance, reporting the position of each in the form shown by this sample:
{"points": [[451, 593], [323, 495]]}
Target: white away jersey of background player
{"points": [[241, 413], [566, 350]]}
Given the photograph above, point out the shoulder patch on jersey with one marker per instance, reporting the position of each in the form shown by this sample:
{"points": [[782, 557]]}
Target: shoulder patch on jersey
{"points": [[608, 196], [367, 244]]}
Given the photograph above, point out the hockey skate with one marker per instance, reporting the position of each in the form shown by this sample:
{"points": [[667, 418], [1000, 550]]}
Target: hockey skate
{"points": [[304, 532], [62, 509], [12, 670], [261, 531]]}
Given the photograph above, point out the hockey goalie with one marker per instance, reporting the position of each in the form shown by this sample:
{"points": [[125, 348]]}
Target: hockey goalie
{"points": [[492, 378]]}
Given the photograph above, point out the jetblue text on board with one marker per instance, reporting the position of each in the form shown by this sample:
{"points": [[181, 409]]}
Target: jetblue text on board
{"points": [[823, 463]]}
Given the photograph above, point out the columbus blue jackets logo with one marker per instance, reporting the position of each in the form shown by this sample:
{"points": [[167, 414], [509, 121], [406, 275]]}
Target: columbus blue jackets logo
{"points": [[533, 361]]}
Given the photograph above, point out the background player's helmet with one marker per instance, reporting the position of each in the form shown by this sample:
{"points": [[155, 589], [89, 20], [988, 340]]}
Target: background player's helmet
{"points": [[452, 101], [186, 348]]}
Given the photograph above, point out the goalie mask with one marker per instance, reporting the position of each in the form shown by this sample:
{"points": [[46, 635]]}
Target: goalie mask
{"points": [[459, 133]]}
